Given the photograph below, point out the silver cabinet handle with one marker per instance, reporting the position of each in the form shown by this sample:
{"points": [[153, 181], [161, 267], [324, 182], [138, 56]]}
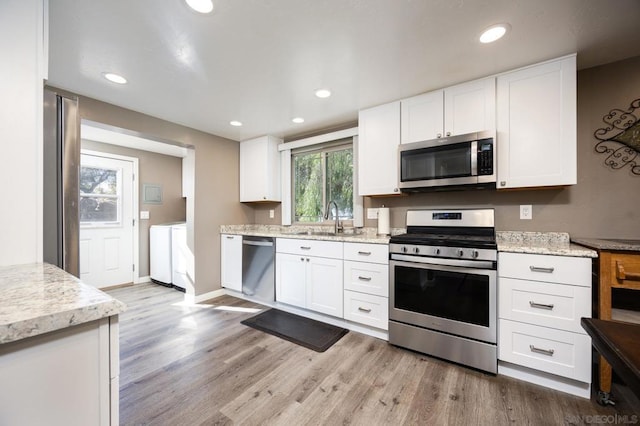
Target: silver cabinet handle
{"points": [[365, 253], [229, 237], [305, 248], [541, 351], [395, 189], [439, 135], [541, 269], [367, 310], [361, 278], [540, 305], [448, 133]]}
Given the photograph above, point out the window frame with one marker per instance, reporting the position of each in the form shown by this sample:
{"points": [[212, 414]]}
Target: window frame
{"points": [[117, 196], [324, 149]]}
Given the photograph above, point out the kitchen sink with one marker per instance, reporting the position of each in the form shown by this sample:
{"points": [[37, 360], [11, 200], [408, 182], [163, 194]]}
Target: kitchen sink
{"points": [[317, 233]]}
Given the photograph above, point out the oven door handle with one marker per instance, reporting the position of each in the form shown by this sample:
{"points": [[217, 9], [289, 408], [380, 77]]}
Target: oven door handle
{"points": [[475, 264]]}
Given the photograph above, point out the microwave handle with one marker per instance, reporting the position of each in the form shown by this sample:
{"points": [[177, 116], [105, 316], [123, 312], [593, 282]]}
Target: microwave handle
{"points": [[474, 158]]}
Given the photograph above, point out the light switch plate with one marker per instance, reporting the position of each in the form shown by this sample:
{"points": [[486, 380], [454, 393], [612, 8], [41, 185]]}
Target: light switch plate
{"points": [[372, 213], [526, 211], [272, 214], [144, 214]]}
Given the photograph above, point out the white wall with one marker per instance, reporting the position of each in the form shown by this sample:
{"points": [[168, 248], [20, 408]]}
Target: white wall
{"points": [[21, 82]]}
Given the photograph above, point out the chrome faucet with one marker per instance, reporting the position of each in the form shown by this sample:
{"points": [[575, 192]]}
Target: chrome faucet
{"points": [[338, 225]]}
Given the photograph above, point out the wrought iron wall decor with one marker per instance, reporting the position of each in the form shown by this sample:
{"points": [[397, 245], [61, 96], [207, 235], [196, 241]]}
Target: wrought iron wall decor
{"points": [[621, 139]]}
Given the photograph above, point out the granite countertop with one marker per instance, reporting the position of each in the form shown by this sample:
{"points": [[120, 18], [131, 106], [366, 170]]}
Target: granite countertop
{"points": [[551, 243], [359, 235], [39, 298], [611, 245]]}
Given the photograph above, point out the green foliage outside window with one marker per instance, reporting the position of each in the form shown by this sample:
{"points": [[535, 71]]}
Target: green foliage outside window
{"points": [[320, 177]]}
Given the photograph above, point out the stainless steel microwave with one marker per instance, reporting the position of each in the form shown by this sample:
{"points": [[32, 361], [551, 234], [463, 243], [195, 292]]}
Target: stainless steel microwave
{"points": [[456, 161]]}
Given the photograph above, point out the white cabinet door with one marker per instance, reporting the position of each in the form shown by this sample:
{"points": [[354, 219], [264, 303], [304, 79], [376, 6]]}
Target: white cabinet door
{"points": [[422, 117], [291, 279], [231, 261], [470, 107], [324, 285], [536, 125], [377, 149], [260, 169]]}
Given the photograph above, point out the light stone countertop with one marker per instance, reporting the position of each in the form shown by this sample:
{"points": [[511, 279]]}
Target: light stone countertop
{"points": [[39, 298], [551, 243], [361, 235]]}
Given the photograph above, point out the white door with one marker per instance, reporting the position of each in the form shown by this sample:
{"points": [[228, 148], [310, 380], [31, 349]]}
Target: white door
{"points": [[291, 279], [324, 285], [106, 221]]}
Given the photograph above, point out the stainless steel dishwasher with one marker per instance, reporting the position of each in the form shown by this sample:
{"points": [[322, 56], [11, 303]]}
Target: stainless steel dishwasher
{"points": [[258, 272]]}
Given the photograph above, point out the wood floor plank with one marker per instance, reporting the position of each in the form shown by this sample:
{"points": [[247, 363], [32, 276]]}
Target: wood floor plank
{"points": [[192, 365]]}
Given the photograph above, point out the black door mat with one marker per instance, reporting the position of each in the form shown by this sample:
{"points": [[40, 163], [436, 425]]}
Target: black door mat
{"points": [[306, 332]]}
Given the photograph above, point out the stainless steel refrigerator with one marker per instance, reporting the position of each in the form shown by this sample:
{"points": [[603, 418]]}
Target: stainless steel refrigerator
{"points": [[61, 169]]}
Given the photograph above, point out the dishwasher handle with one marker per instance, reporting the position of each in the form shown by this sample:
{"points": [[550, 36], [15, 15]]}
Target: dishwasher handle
{"points": [[257, 243]]}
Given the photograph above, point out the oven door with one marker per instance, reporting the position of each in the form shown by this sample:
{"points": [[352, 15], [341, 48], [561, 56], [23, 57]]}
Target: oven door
{"points": [[452, 299]]}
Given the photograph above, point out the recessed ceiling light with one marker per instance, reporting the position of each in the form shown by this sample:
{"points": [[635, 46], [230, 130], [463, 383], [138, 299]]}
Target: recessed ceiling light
{"points": [[298, 120], [201, 6], [323, 93], [235, 123], [114, 78], [494, 33]]}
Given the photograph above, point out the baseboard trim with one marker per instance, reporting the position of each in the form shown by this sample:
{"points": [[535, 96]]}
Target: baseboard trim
{"points": [[193, 299], [141, 280], [548, 380]]}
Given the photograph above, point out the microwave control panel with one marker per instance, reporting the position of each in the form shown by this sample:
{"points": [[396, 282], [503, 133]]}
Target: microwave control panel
{"points": [[485, 157]]}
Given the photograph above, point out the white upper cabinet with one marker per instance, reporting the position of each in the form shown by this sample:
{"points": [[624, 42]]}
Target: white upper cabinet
{"points": [[470, 107], [377, 149], [465, 108], [260, 169], [422, 117], [536, 125]]}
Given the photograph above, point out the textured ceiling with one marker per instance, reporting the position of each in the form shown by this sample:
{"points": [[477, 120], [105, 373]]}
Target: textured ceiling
{"points": [[259, 61]]}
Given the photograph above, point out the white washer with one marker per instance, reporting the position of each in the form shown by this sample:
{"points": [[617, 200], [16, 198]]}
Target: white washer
{"points": [[160, 269], [180, 255]]}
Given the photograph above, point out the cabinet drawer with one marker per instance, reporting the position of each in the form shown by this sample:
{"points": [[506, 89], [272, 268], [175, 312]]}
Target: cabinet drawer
{"points": [[366, 309], [540, 267], [553, 351], [373, 253], [625, 270], [371, 278], [330, 249], [551, 305]]}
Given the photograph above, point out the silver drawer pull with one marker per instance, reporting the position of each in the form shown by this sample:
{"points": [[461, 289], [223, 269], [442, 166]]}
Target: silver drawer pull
{"points": [[361, 278], [540, 305], [229, 237], [365, 253], [548, 352], [305, 248], [541, 269], [367, 310]]}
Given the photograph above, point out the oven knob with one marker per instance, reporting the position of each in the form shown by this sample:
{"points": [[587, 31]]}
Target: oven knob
{"points": [[436, 251], [474, 253], [404, 249], [460, 253], [416, 250]]}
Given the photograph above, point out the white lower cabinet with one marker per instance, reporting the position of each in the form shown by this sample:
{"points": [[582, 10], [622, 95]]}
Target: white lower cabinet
{"points": [[366, 284], [231, 261], [65, 377], [541, 299], [307, 281]]}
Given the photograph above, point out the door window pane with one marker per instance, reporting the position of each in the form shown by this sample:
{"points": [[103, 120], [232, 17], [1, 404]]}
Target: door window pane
{"points": [[99, 195]]}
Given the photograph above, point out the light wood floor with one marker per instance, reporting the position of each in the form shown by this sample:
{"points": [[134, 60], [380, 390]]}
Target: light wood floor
{"points": [[193, 365]]}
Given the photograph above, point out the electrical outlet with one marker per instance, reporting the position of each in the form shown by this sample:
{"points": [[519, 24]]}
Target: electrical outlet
{"points": [[272, 214], [372, 213], [144, 214], [526, 211]]}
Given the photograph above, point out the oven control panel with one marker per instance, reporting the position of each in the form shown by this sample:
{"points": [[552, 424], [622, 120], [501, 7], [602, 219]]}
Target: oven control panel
{"points": [[465, 253]]}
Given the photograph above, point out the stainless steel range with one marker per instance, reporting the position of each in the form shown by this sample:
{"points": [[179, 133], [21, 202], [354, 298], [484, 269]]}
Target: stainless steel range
{"points": [[442, 278]]}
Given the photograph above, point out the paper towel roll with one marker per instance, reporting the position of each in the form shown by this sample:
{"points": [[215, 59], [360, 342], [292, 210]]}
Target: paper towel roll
{"points": [[383, 221]]}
